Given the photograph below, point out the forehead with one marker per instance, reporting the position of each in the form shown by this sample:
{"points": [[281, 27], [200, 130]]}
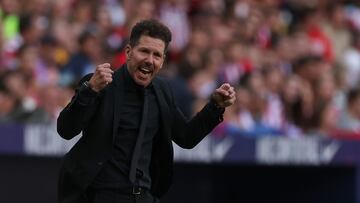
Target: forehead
{"points": [[151, 43]]}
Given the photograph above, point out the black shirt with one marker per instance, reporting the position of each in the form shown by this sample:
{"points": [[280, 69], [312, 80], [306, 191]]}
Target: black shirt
{"points": [[115, 173]]}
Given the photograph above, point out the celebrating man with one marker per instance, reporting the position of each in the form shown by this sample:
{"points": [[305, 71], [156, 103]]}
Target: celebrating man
{"points": [[128, 119]]}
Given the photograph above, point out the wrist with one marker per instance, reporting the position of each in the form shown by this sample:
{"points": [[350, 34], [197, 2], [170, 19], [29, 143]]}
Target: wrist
{"points": [[217, 105], [214, 99], [85, 95], [88, 85]]}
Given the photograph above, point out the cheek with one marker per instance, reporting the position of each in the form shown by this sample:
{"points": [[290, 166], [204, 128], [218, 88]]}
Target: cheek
{"points": [[158, 66], [134, 60]]}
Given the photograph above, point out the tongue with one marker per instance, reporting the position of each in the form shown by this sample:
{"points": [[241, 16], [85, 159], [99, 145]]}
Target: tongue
{"points": [[143, 75]]}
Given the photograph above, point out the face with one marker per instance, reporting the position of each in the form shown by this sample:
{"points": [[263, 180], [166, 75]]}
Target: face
{"points": [[145, 59]]}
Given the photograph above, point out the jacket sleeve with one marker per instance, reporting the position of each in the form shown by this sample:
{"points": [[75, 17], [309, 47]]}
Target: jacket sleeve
{"points": [[188, 133], [77, 114]]}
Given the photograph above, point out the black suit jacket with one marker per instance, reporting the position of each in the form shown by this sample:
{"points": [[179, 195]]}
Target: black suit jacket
{"points": [[96, 116]]}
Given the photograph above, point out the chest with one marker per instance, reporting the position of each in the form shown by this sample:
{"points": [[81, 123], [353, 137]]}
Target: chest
{"points": [[131, 111]]}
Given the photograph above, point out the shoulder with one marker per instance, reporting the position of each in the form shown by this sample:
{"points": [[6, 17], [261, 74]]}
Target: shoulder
{"points": [[119, 74], [163, 83]]}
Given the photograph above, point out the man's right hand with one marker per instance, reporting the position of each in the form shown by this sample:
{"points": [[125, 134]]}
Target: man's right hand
{"points": [[102, 77]]}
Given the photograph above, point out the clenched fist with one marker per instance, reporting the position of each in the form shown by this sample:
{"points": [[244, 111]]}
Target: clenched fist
{"points": [[102, 77], [224, 96]]}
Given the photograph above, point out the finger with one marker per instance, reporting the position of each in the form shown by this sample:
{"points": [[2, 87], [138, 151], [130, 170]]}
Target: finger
{"points": [[226, 90], [101, 77], [105, 65], [108, 79], [106, 82], [228, 97], [232, 95], [225, 86], [105, 74], [231, 89], [105, 70], [109, 70], [222, 92]]}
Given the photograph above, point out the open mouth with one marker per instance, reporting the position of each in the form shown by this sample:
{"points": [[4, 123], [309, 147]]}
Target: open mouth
{"points": [[145, 70]]}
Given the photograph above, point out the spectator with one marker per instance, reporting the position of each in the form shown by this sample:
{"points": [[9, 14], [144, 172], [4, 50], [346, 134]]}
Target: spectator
{"points": [[351, 62], [20, 104], [297, 98], [325, 120], [49, 108], [350, 118], [7, 103], [335, 28], [274, 108], [85, 60]]}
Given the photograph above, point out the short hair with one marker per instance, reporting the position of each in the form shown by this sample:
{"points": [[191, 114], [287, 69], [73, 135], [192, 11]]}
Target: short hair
{"points": [[85, 35], [151, 28]]}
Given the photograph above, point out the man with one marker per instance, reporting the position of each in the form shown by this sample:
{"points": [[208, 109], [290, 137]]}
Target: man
{"points": [[128, 119]]}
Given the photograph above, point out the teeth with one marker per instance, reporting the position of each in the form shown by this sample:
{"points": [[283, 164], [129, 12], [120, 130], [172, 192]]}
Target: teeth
{"points": [[145, 70]]}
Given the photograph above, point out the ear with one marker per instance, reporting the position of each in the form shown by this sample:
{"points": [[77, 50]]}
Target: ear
{"points": [[165, 56], [127, 51], [162, 63]]}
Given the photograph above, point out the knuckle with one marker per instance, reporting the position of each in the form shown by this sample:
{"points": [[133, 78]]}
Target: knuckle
{"points": [[100, 70]]}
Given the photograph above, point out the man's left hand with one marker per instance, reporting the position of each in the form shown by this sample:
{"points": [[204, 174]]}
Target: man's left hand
{"points": [[224, 96]]}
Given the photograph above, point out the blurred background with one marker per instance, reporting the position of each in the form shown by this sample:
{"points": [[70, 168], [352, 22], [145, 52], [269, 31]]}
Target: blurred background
{"points": [[292, 136]]}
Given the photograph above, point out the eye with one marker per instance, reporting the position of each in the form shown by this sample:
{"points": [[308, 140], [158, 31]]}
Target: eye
{"points": [[158, 55], [144, 50]]}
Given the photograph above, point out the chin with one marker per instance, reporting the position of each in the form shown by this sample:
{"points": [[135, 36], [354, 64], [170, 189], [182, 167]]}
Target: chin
{"points": [[142, 83]]}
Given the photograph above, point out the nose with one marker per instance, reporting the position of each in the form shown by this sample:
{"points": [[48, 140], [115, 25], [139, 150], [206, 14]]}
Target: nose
{"points": [[149, 59]]}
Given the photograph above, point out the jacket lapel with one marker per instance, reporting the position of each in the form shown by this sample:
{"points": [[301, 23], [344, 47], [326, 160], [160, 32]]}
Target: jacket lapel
{"points": [[164, 108], [118, 93]]}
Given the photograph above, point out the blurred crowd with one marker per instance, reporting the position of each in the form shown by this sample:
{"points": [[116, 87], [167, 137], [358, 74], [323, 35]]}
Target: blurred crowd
{"points": [[295, 63]]}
